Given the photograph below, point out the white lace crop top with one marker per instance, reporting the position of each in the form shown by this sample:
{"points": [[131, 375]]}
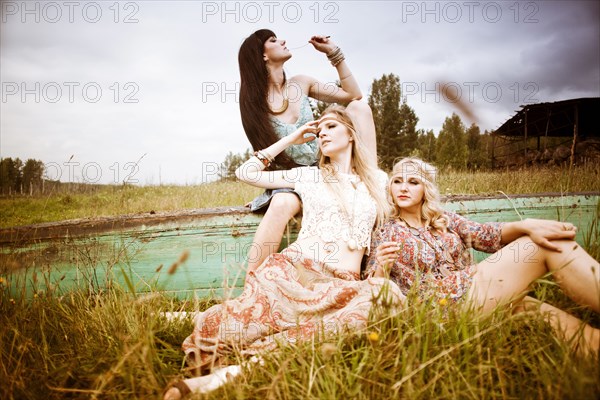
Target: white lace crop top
{"points": [[325, 218]]}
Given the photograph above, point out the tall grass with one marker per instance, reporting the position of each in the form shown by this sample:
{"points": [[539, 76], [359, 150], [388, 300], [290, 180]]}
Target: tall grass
{"points": [[526, 180], [109, 343], [118, 200], [116, 345]]}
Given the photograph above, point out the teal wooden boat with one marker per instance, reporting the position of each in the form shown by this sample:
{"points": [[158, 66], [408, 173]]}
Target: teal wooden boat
{"points": [[202, 252]]}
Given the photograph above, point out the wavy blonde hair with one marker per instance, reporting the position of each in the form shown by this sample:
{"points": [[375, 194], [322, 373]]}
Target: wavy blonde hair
{"points": [[362, 164], [431, 210]]}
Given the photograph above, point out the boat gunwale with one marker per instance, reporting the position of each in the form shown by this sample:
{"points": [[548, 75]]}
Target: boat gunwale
{"points": [[83, 226]]}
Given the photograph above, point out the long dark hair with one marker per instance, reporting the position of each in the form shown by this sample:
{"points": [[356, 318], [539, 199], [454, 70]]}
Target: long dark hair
{"points": [[254, 86]]}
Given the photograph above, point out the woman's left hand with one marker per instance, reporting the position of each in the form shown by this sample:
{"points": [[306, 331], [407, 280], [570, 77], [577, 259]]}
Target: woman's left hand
{"points": [[542, 231], [322, 44]]}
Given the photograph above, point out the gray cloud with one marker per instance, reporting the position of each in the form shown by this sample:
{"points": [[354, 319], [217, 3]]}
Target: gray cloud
{"points": [[178, 50]]}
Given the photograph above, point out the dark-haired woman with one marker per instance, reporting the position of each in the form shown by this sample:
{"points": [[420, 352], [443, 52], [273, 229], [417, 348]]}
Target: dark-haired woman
{"points": [[273, 106]]}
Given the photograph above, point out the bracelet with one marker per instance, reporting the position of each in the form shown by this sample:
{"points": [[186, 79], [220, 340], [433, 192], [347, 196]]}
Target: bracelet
{"points": [[336, 50], [262, 158], [336, 56], [346, 77], [266, 155]]}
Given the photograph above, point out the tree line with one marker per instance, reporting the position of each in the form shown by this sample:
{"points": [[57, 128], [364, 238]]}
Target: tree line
{"points": [[19, 177], [456, 146]]}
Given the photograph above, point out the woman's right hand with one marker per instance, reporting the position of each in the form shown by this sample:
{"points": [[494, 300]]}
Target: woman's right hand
{"points": [[387, 252], [298, 136], [322, 44]]}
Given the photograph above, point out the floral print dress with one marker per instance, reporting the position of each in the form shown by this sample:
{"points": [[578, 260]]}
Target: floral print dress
{"points": [[440, 263]]}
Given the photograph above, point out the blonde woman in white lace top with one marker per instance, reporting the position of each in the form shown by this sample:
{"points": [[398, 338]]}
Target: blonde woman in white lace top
{"points": [[313, 286]]}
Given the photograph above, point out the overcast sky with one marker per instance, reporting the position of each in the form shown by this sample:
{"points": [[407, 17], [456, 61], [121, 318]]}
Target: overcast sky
{"points": [[113, 83]]}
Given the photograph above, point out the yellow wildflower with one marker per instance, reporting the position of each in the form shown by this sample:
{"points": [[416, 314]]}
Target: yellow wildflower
{"points": [[373, 337], [443, 301]]}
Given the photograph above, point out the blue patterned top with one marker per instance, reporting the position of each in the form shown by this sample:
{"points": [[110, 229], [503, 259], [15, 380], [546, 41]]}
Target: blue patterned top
{"points": [[303, 154]]}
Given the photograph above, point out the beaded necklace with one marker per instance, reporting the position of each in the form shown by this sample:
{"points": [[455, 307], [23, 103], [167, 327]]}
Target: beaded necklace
{"points": [[352, 243], [439, 249]]}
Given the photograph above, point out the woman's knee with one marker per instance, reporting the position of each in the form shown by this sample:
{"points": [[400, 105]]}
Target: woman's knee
{"points": [[284, 205], [532, 249]]}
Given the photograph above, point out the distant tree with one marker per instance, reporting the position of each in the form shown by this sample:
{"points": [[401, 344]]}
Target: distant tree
{"points": [[33, 172], [317, 107], [451, 146], [408, 129], [392, 121], [476, 154], [5, 180], [425, 145], [11, 175], [18, 175], [486, 148], [231, 163]]}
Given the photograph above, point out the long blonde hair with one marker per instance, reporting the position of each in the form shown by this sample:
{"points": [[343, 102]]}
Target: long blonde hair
{"points": [[363, 165], [432, 212]]}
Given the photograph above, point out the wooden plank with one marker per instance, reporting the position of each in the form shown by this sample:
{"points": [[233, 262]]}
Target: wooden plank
{"points": [[216, 240], [87, 226]]}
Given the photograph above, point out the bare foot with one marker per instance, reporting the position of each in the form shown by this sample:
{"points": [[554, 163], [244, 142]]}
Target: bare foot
{"points": [[180, 315], [177, 390], [172, 394]]}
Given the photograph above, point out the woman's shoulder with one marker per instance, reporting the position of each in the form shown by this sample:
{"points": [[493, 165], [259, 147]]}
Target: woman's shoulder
{"points": [[454, 220], [452, 216], [304, 81]]}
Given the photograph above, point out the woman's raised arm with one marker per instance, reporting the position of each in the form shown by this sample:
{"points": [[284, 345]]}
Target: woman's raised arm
{"points": [[329, 92], [252, 171]]}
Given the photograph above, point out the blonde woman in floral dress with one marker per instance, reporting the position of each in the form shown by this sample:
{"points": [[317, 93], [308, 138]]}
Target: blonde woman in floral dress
{"points": [[425, 248]]}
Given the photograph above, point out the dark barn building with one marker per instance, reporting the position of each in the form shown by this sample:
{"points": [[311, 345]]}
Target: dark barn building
{"points": [[549, 133]]}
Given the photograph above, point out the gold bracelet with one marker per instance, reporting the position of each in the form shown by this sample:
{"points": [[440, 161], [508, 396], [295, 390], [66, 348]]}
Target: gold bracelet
{"points": [[335, 56], [266, 155], [262, 158]]}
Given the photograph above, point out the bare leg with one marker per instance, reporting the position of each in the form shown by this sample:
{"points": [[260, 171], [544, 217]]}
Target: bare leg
{"points": [[506, 275], [362, 117], [268, 235], [583, 338]]}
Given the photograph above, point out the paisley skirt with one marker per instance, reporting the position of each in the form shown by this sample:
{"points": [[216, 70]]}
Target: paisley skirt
{"points": [[289, 298]]}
